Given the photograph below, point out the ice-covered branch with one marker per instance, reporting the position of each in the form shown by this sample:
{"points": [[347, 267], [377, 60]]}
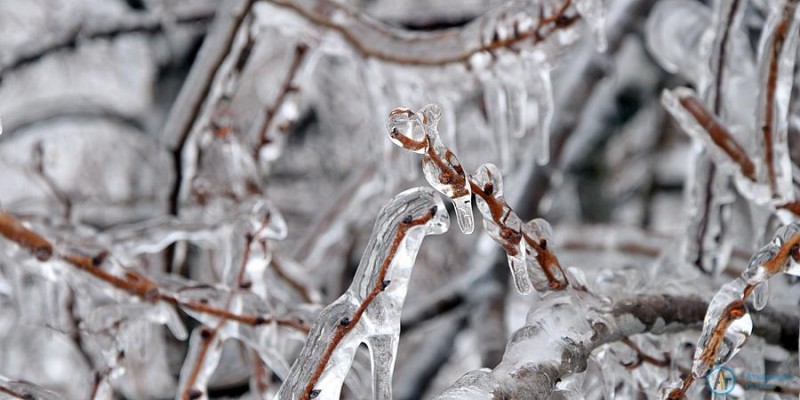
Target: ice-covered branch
{"points": [[133, 283], [728, 324], [526, 245], [514, 26], [369, 311]]}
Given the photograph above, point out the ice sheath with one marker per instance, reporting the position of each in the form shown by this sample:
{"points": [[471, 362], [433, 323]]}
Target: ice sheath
{"points": [[369, 311]]}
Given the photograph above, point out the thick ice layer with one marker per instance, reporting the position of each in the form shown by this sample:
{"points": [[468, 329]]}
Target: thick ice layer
{"points": [[369, 311]]}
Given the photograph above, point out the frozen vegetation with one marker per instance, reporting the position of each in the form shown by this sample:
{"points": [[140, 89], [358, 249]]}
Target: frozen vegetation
{"points": [[253, 198]]}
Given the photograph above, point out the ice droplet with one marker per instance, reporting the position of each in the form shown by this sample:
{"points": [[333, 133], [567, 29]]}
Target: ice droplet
{"points": [[760, 296], [205, 350], [542, 92], [494, 96], [382, 279]]}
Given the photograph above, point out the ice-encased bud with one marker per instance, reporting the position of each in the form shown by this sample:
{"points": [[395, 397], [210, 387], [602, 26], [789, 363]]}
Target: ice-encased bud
{"points": [[788, 234], [490, 180], [406, 130], [443, 170]]}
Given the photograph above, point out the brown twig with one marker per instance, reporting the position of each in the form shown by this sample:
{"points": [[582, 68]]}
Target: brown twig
{"points": [[767, 126], [133, 283], [348, 324], [207, 336], [720, 135], [14, 393], [737, 309], [536, 34], [642, 357], [545, 258], [287, 88]]}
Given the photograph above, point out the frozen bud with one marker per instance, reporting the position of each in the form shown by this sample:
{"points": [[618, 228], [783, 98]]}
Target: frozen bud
{"points": [[405, 130]]}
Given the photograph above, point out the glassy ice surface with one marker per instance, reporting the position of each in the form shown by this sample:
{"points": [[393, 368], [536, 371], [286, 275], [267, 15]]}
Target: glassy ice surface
{"points": [[502, 224], [369, 311], [219, 194]]}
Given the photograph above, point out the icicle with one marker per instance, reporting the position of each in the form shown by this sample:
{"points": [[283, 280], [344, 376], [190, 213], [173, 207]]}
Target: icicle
{"points": [[494, 96], [541, 90], [205, 350], [517, 100], [369, 311], [761, 296], [406, 130], [593, 13], [509, 235]]}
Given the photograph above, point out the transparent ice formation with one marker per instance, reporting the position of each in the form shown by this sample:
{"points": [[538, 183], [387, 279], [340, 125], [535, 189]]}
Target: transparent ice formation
{"points": [[777, 54], [369, 311], [727, 324], [502, 224], [419, 133]]}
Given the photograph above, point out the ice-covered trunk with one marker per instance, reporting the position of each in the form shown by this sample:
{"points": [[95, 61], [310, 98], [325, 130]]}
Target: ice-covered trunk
{"points": [[369, 311]]}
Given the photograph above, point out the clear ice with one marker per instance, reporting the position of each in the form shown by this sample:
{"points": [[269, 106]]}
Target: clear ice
{"points": [[419, 133], [369, 311]]}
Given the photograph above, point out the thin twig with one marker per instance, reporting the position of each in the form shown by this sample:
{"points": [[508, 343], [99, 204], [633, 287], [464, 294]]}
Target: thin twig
{"points": [[133, 283], [348, 324], [535, 34]]}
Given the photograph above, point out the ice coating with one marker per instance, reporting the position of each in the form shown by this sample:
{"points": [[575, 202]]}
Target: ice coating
{"points": [[508, 233], [777, 59], [726, 327], [369, 311], [205, 350], [26, 390], [677, 37], [543, 269], [542, 91], [727, 324], [441, 167]]}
